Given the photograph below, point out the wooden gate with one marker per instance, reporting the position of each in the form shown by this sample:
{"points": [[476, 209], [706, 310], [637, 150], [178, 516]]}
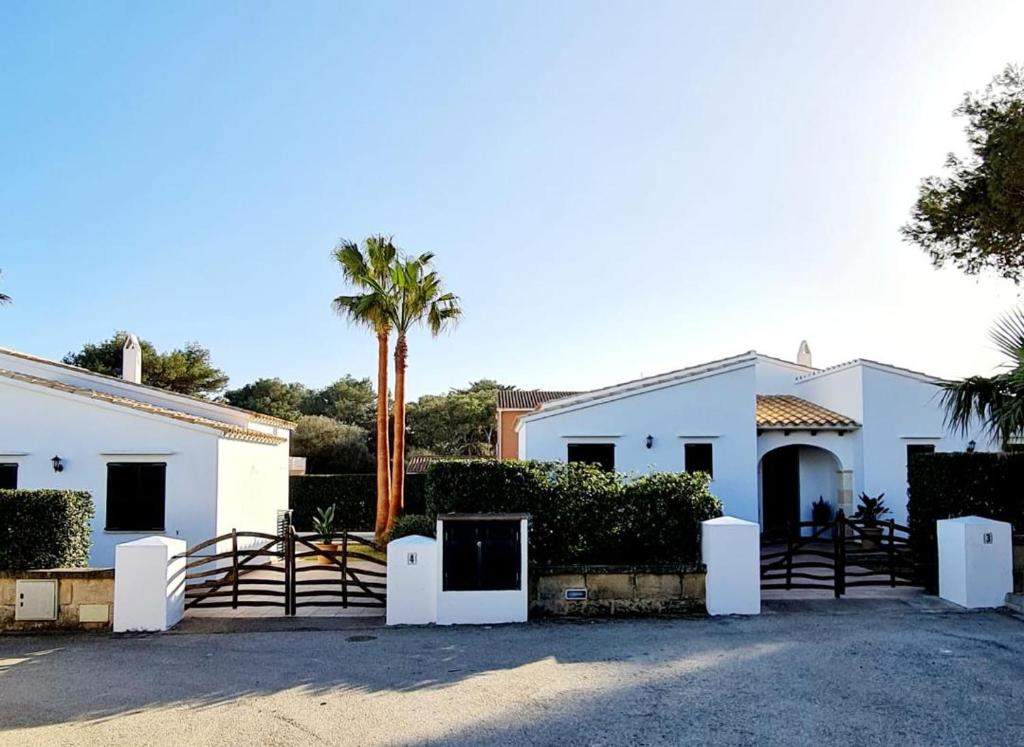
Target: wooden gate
{"points": [[287, 570], [842, 554]]}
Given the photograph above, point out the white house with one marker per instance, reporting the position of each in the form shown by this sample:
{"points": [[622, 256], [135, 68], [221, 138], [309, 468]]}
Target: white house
{"points": [[774, 435], [154, 461]]}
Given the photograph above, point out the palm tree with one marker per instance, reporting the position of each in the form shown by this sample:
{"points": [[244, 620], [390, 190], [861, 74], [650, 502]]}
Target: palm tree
{"points": [[997, 401], [418, 298], [370, 269], [4, 299]]}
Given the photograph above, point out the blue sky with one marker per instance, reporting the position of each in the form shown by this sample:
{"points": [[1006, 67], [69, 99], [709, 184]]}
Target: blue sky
{"points": [[613, 189]]}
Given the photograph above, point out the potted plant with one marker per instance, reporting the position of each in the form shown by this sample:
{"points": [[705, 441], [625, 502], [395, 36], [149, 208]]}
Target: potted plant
{"points": [[869, 511], [323, 526], [821, 515]]}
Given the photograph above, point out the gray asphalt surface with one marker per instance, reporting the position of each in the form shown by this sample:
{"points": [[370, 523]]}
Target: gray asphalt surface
{"points": [[856, 672]]}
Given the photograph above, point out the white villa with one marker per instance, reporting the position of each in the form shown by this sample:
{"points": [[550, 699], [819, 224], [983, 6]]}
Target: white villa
{"points": [[154, 461], [774, 435]]}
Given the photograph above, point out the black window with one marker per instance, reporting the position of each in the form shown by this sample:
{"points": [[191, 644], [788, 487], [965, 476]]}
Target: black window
{"points": [[915, 449], [135, 496], [481, 555], [698, 458], [8, 476], [601, 454]]}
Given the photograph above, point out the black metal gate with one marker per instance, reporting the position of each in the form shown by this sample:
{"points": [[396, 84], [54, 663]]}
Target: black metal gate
{"points": [[287, 570], [847, 552]]}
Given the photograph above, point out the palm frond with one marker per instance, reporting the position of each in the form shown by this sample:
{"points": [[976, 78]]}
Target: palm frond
{"points": [[1008, 335]]}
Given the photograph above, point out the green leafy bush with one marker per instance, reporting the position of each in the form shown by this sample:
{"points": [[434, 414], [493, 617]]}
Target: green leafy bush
{"points": [[354, 498], [945, 486], [413, 524], [580, 513], [45, 529]]}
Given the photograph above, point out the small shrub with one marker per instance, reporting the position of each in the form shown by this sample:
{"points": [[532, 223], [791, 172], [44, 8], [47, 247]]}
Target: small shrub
{"points": [[45, 529], [410, 524]]}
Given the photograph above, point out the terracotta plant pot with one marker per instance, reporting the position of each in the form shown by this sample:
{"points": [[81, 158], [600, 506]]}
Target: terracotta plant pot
{"points": [[327, 547], [871, 538]]}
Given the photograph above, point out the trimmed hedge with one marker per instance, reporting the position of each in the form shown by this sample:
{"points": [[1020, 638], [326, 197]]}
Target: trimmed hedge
{"points": [[945, 486], [580, 513], [45, 529], [410, 524], [354, 495]]}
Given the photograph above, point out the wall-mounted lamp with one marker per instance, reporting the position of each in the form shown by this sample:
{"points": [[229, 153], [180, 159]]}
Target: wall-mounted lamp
{"points": [[58, 465], [649, 441], [971, 446]]}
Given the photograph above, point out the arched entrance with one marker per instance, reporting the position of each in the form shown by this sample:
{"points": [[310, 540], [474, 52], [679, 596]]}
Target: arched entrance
{"points": [[791, 478]]}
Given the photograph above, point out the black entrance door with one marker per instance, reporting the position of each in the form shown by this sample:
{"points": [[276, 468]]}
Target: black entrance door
{"points": [[780, 487]]}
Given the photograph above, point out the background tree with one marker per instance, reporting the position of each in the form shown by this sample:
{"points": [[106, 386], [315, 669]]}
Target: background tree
{"points": [[271, 397], [997, 401], [4, 298], [184, 370], [974, 216], [330, 447], [459, 423], [369, 270], [348, 400], [418, 298]]}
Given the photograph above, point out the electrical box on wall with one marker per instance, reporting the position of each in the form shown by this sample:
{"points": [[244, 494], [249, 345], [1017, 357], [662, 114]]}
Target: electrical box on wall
{"points": [[37, 599]]}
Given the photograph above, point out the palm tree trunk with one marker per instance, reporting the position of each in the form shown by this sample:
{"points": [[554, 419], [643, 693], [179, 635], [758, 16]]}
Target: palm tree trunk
{"points": [[383, 446], [398, 460]]}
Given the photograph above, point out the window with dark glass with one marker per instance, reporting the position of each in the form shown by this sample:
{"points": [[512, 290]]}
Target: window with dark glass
{"points": [[601, 454], [698, 458], [8, 476], [915, 449], [135, 496]]}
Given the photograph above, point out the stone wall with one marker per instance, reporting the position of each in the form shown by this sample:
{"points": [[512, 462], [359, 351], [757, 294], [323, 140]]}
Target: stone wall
{"points": [[85, 599], [618, 590]]}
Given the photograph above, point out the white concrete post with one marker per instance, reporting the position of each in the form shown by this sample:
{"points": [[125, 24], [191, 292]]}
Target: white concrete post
{"points": [[149, 587], [975, 561], [731, 549], [412, 589]]}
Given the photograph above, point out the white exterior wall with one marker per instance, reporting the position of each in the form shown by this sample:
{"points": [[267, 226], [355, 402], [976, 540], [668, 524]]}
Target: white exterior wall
{"points": [[900, 410], [37, 423], [252, 486], [716, 409], [778, 377]]}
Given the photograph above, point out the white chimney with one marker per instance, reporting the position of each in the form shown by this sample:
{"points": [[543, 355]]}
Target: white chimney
{"points": [[803, 355], [131, 360]]}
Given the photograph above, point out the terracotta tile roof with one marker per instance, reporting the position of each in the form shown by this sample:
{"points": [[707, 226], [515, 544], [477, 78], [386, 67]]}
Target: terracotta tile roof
{"points": [[258, 417], [787, 411], [227, 429], [527, 399]]}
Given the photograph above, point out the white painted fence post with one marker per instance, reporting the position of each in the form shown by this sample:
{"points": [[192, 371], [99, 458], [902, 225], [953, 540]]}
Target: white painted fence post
{"points": [[412, 588], [975, 561], [149, 588], [731, 550]]}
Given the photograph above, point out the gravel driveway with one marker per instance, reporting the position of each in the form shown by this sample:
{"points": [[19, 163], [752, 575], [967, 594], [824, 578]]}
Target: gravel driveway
{"points": [[806, 672]]}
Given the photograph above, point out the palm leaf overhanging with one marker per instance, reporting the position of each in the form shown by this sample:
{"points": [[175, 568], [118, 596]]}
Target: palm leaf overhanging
{"points": [[4, 298], [995, 401]]}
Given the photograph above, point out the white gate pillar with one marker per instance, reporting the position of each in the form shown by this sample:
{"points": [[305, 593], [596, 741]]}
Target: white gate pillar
{"points": [[149, 587], [412, 581], [731, 550], [975, 561]]}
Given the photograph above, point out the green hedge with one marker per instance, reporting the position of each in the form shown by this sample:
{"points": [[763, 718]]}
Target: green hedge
{"points": [[582, 514], [945, 486], [354, 495], [45, 529]]}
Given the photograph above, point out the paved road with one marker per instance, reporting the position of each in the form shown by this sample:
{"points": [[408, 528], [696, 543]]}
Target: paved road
{"points": [[856, 672]]}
